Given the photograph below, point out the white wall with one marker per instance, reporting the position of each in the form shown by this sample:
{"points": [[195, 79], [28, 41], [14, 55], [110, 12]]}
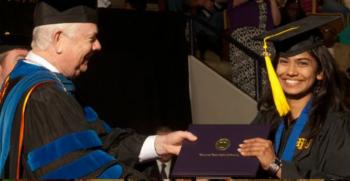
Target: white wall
{"points": [[214, 100]]}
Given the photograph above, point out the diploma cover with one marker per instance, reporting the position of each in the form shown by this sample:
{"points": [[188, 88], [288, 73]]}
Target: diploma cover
{"points": [[215, 153]]}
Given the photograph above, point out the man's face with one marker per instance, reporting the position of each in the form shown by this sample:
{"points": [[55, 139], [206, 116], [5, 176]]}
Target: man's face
{"points": [[10, 60], [77, 50]]}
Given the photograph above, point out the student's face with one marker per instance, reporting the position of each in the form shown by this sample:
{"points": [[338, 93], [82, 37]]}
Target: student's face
{"points": [[297, 74], [79, 49]]}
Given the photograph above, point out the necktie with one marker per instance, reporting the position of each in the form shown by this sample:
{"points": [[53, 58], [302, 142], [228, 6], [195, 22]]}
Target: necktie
{"points": [[162, 171]]}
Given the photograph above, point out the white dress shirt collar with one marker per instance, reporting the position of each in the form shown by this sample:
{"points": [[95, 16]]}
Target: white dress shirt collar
{"points": [[35, 59]]}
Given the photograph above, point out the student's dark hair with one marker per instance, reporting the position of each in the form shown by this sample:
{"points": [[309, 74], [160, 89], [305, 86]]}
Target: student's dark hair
{"points": [[328, 93]]}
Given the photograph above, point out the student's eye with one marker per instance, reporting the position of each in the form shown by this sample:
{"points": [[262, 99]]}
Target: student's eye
{"points": [[282, 61], [303, 62]]}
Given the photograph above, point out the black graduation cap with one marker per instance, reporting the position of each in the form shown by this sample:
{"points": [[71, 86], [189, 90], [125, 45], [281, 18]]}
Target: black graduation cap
{"points": [[65, 11], [10, 41], [304, 34]]}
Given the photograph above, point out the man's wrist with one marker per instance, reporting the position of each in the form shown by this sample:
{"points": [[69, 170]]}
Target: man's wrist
{"points": [[275, 166]]}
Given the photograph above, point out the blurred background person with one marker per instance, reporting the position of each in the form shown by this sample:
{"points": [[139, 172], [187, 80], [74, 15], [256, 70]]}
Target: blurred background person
{"points": [[160, 168], [248, 19], [12, 49], [291, 10]]}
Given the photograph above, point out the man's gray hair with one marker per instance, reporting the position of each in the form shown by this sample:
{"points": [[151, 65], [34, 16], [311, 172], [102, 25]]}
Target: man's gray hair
{"points": [[42, 35], [2, 56]]}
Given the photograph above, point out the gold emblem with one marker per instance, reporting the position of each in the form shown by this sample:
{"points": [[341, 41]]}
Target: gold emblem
{"points": [[303, 144], [222, 144]]}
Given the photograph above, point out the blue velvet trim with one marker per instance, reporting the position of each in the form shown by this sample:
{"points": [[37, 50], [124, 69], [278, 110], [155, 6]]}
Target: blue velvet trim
{"points": [[90, 114], [23, 69], [113, 172], [81, 167], [107, 128], [66, 144]]}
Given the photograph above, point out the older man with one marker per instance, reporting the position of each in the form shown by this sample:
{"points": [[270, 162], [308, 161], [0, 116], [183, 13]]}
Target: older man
{"points": [[45, 133], [11, 50]]}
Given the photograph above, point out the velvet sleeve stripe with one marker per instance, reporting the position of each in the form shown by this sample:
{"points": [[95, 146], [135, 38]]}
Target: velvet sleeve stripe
{"points": [[107, 128], [82, 166], [111, 172], [58, 148], [90, 114]]}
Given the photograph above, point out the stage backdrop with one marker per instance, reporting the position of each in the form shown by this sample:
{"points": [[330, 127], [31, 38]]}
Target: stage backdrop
{"points": [[140, 78]]}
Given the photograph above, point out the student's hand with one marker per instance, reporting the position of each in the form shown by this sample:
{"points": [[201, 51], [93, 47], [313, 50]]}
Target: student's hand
{"points": [[260, 148], [171, 143]]}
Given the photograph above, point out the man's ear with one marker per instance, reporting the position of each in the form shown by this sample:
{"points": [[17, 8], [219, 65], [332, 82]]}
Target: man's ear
{"points": [[58, 41]]}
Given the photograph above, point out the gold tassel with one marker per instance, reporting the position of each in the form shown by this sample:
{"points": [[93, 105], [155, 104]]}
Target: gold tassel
{"points": [[277, 92], [279, 98]]}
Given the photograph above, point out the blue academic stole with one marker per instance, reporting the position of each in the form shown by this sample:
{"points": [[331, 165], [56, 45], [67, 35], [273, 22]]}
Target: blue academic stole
{"points": [[289, 149], [32, 75]]}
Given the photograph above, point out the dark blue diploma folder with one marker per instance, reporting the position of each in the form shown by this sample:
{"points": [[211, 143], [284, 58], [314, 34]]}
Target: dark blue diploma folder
{"points": [[215, 153]]}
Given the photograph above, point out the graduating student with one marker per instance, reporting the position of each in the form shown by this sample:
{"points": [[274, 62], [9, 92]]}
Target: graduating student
{"points": [[45, 133], [310, 135]]}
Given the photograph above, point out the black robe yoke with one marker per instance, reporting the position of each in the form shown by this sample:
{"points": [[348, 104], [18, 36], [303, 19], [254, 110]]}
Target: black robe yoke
{"points": [[327, 155], [52, 113]]}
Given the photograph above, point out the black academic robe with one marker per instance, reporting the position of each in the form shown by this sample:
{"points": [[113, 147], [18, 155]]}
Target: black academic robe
{"points": [[52, 113], [327, 155]]}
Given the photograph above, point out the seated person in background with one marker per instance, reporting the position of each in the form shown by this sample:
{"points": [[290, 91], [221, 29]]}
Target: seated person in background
{"points": [[311, 139], [335, 6], [309, 6], [138, 5], [160, 168], [259, 17], [346, 3], [45, 133], [291, 11], [208, 26], [11, 50]]}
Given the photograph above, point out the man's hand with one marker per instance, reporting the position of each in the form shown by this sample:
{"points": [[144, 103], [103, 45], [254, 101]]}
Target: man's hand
{"points": [[171, 143]]}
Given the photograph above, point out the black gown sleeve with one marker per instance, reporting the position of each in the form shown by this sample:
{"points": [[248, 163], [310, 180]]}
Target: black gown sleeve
{"points": [[52, 114], [124, 144], [329, 156]]}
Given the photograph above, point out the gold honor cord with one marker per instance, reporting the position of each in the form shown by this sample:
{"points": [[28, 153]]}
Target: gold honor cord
{"points": [[279, 98]]}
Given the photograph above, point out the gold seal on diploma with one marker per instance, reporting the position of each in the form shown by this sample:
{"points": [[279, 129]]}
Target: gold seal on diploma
{"points": [[222, 144]]}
